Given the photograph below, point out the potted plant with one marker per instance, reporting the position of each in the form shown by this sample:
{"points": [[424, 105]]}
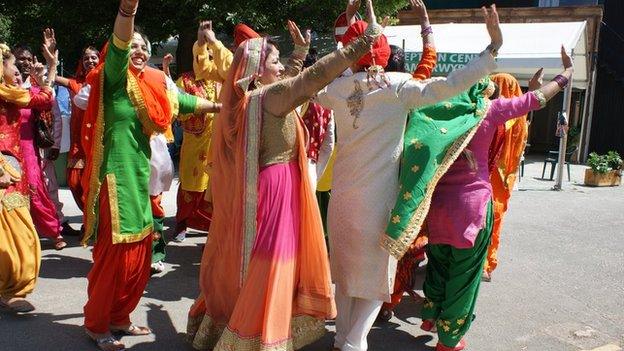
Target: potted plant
{"points": [[605, 170]]}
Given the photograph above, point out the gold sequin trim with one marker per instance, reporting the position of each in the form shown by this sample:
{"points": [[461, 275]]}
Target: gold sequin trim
{"points": [[96, 160], [398, 247], [15, 200], [113, 203], [134, 93], [540, 97]]}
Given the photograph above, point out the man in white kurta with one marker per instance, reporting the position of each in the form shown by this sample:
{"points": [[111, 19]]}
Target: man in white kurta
{"points": [[370, 122]]}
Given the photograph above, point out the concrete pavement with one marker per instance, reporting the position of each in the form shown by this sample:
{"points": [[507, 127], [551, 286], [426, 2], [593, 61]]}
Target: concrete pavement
{"points": [[559, 285]]}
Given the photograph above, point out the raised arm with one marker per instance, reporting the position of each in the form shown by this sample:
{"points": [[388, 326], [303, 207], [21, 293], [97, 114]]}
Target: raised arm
{"points": [[429, 58], [124, 23], [353, 6], [51, 55], [294, 65], [205, 67], [62, 81], [166, 62], [414, 93], [503, 109], [282, 97]]}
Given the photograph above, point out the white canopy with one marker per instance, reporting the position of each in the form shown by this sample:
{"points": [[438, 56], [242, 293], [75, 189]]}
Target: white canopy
{"points": [[526, 48]]}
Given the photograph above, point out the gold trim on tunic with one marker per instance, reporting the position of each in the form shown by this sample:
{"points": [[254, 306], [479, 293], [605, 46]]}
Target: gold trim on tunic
{"points": [[398, 247]]}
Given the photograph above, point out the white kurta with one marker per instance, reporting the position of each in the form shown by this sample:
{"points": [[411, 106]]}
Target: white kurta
{"points": [[366, 170]]}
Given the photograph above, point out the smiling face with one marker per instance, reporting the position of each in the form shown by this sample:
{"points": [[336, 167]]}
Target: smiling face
{"points": [[24, 62], [139, 53], [11, 74], [90, 59], [273, 68]]}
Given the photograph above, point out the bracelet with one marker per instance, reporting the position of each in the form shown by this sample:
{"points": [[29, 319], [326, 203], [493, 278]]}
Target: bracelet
{"points": [[492, 50], [123, 12], [426, 31], [561, 81]]}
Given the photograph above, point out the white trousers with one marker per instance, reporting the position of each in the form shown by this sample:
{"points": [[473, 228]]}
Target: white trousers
{"points": [[49, 177], [354, 321]]}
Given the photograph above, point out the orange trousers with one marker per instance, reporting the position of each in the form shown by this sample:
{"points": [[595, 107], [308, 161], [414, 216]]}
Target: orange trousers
{"points": [[74, 176], [500, 201], [118, 276], [193, 211]]}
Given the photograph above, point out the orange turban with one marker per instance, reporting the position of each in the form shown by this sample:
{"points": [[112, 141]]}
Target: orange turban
{"points": [[381, 49], [243, 32]]}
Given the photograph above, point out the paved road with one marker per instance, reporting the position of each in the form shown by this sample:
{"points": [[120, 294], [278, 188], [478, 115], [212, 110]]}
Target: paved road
{"points": [[559, 287]]}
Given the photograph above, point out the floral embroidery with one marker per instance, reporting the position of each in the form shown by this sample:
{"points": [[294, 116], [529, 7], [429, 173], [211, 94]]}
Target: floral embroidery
{"points": [[407, 196], [355, 102], [417, 144], [396, 219], [415, 169]]}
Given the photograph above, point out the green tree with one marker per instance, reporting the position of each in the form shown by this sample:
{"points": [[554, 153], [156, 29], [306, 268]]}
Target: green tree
{"points": [[82, 23]]}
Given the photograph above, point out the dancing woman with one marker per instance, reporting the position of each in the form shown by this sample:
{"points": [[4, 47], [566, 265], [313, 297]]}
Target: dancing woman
{"points": [[128, 102], [264, 278], [20, 253], [458, 244]]}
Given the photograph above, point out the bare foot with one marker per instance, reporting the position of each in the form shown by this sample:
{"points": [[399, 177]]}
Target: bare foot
{"points": [[130, 330]]}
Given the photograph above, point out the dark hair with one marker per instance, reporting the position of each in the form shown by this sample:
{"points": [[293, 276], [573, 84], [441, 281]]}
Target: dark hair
{"points": [[496, 93], [21, 48], [311, 58], [89, 48], [140, 32], [396, 63]]}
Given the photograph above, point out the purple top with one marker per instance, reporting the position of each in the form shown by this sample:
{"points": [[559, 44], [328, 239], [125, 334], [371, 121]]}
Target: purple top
{"points": [[459, 203]]}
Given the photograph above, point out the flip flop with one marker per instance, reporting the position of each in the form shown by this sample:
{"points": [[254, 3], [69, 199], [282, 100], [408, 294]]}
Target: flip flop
{"points": [[131, 330]]}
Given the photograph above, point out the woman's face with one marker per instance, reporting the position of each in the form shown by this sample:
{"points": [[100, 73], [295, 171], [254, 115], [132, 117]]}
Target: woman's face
{"points": [[90, 59], [273, 68], [139, 54], [11, 74]]}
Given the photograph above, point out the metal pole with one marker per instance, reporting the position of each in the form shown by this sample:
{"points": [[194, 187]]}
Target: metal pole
{"points": [[563, 139]]}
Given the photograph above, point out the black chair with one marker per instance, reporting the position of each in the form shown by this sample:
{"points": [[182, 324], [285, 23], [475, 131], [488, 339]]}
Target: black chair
{"points": [[553, 158]]}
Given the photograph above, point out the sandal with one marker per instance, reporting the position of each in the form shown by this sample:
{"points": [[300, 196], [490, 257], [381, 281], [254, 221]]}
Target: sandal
{"points": [[17, 304], [131, 330], [106, 343], [59, 244]]}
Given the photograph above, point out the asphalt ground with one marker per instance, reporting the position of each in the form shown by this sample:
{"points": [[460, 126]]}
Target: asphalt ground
{"points": [[559, 285]]}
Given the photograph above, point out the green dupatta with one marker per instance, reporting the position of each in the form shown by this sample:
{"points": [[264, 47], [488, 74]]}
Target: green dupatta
{"points": [[434, 138]]}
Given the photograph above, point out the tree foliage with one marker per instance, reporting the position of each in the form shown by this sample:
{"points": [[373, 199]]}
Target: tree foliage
{"points": [[82, 23]]}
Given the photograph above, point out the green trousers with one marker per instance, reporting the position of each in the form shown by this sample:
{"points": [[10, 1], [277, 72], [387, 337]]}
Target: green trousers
{"points": [[452, 284], [158, 246]]}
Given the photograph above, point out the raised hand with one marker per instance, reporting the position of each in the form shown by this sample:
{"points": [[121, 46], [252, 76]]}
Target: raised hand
{"points": [[353, 6], [566, 59], [49, 47], [419, 7], [493, 26], [205, 34], [129, 6], [537, 80], [38, 72], [166, 62], [297, 38], [370, 12]]}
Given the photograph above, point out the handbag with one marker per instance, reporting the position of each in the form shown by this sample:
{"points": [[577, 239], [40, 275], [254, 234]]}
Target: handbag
{"points": [[44, 135]]}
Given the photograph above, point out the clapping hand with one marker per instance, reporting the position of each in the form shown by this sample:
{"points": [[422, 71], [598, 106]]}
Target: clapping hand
{"points": [[205, 34], [371, 18], [493, 26]]}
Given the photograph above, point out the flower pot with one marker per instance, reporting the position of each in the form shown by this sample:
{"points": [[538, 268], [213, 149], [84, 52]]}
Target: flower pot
{"points": [[611, 178]]}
